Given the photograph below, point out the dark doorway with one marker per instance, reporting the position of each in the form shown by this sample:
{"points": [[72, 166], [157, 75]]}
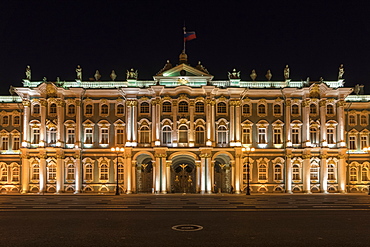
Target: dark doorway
{"points": [[183, 178], [145, 175], [222, 178]]}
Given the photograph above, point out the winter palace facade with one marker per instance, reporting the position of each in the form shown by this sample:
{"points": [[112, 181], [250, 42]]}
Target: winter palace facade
{"points": [[184, 132]]}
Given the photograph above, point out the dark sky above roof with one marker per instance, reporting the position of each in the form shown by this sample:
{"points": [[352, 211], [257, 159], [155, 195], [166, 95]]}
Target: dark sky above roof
{"points": [[313, 37]]}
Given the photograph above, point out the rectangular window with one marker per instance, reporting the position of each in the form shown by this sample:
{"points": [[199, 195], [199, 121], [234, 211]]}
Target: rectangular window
{"points": [[330, 135], [16, 143], [277, 136], [120, 134], [364, 142], [15, 174], [352, 143], [88, 136], [4, 143], [35, 136], [70, 136], [295, 136], [262, 135], [104, 136], [277, 173], [247, 136]]}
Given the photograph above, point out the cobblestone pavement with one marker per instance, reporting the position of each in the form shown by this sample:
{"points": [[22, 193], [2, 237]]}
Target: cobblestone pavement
{"points": [[184, 202]]}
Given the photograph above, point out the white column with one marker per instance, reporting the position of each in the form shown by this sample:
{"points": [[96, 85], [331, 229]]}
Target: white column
{"points": [[237, 169], [129, 129], [60, 113], [133, 176], [306, 124], [128, 168], [174, 119], [164, 173], [191, 119], [306, 173], [168, 175], [154, 123], [42, 173], [238, 123], [213, 175], [323, 174], [134, 123], [78, 123], [78, 177], [25, 173], [202, 174], [44, 104], [288, 132], [209, 180], [59, 174], [232, 122], [26, 120], [209, 121], [213, 123], [198, 176], [288, 174], [158, 174], [232, 170], [341, 123], [342, 174], [323, 123]]}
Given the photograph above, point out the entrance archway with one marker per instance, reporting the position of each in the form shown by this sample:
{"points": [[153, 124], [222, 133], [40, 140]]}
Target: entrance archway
{"points": [[145, 176], [222, 174], [183, 174]]}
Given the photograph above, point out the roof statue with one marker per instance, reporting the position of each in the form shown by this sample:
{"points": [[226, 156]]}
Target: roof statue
{"points": [[321, 80], [132, 74], [167, 66], [97, 75], [28, 72], [113, 75], [286, 72], [253, 75], [183, 58], [79, 73], [268, 75], [201, 67], [341, 72], [234, 74]]}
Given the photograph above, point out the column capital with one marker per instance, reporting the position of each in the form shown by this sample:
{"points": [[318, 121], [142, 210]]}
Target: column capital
{"points": [[306, 156], [323, 103], [26, 103]]}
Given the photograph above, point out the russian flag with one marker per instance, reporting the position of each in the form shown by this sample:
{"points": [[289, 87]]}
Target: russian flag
{"points": [[189, 36]]}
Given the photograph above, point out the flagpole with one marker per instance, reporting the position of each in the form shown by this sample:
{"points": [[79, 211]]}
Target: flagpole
{"points": [[184, 37]]}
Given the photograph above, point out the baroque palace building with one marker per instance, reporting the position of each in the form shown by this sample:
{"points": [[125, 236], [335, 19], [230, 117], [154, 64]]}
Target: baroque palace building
{"points": [[184, 132]]}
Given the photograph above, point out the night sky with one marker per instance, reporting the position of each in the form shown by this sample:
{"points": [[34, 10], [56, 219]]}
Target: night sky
{"points": [[312, 37]]}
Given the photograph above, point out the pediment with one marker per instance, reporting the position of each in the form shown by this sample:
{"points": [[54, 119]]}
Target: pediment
{"points": [[183, 70]]}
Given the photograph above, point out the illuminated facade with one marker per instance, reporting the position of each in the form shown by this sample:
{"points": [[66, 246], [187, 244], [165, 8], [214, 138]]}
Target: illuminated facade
{"points": [[184, 132]]}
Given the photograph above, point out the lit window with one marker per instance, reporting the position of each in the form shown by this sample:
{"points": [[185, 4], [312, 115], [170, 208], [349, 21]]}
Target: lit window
{"points": [[16, 143], [4, 173], [262, 135], [144, 107], [183, 107], [364, 141], [221, 107], [183, 134], [144, 135], [35, 172], [331, 172], [277, 109], [120, 109], [104, 136], [247, 136], [262, 172], [120, 134], [167, 133], [199, 107], [364, 174], [246, 109], [88, 172], [199, 136], [15, 174], [120, 172], [222, 136], [277, 136], [277, 172], [52, 172], [352, 142], [166, 107], [70, 172], [70, 136], [104, 172], [314, 135], [296, 172], [35, 135], [353, 174], [88, 136], [4, 143], [104, 109], [314, 172], [330, 135], [295, 136]]}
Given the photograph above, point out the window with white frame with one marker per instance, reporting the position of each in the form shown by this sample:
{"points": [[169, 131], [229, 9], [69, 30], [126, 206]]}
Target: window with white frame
{"points": [[199, 136], [278, 172], [247, 135], [166, 135], [352, 119], [36, 109], [104, 136], [330, 135], [261, 109], [89, 109], [352, 142], [52, 135], [296, 172], [88, 136], [365, 174], [183, 107], [16, 143], [35, 172], [353, 174], [364, 141], [295, 136], [70, 173], [70, 136], [314, 172], [277, 136], [4, 173], [295, 109], [199, 107], [144, 135], [331, 171], [313, 109], [5, 120], [262, 172], [104, 172], [329, 109], [88, 172], [314, 135], [53, 109], [262, 135], [35, 135], [221, 107], [52, 172], [15, 174], [121, 174], [166, 107], [71, 110], [247, 109], [16, 120], [120, 135], [222, 135], [183, 134], [144, 107]]}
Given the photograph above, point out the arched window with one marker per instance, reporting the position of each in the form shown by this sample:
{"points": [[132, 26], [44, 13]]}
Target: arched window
{"points": [[364, 174], [70, 172], [246, 109], [296, 172], [330, 109], [36, 109], [16, 120], [167, 107], [167, 133], [199, 136], [221, 107], [247, 135], [262, 172], [144, 107], [121, 174], [353, 174], [71, 110], [313, 109], [314, 135], [295, 109], [314, 172], [183, 134], [277, 109], [88, 172], [261, 109], [89, 109], [4, 173], [199, 107], [104, 109], [53, 108], [120, 109], [15, 174], [104, 172], [222, 135], [52, 172], [35, 172], [363, 120], [352, 119], [183, 107], [144, 135], [278, 172], [5, 120]]}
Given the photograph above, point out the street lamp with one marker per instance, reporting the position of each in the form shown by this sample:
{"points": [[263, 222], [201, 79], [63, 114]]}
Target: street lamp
{"points": [[248, 150], [367, 150], [117, 150]]}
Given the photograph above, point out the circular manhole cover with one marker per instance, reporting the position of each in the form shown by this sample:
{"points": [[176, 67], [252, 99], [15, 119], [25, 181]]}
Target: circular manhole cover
{"points": [[187, 228]]}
